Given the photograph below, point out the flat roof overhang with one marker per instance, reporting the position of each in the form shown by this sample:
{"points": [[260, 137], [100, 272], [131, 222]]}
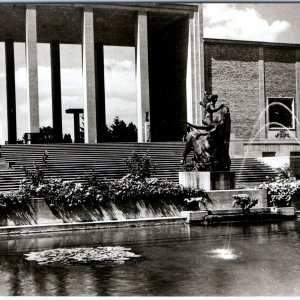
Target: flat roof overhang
{"points": [[114, 24]]}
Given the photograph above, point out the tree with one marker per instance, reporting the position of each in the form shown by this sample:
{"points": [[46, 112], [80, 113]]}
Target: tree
{"points": [[47, 135], [119, 131]]}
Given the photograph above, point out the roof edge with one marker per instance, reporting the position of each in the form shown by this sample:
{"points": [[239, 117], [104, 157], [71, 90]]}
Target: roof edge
{"points": [[252, 43]]}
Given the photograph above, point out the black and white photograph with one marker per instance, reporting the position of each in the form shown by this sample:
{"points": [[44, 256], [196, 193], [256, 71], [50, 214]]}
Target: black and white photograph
{"points": [[149, 149]]}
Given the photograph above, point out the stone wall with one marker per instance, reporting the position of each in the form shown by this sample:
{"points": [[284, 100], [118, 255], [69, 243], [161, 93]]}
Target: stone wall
{"points": [[41, 214], [231, 71], [280, 74]]}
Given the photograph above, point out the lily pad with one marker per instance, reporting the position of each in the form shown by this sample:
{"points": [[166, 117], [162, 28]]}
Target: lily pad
{"points": [[81, 255]]}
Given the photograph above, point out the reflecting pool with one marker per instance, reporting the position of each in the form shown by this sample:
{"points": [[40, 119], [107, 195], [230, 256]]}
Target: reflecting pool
{"points": [[176, 260]]}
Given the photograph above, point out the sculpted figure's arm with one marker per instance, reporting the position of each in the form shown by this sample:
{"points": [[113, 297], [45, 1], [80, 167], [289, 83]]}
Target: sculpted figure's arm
{"points": [[211, 109], [202, 104]]}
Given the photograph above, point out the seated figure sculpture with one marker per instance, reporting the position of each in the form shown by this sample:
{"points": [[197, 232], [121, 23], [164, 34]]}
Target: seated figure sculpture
{"points": [[210, 142]]}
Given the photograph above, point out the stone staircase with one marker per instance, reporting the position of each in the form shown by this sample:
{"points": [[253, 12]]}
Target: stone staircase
{"points": [[75, 161], [3, 165]]}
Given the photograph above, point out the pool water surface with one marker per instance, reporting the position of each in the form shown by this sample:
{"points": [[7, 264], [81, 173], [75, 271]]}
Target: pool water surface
{"points": [[176, 260]]}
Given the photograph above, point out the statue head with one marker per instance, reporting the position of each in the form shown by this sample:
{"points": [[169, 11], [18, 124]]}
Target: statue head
{"points": [[213, 98]]}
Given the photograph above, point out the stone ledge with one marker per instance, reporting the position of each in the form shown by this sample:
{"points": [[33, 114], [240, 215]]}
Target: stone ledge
{"points": [[204, 215], [48, 228]]}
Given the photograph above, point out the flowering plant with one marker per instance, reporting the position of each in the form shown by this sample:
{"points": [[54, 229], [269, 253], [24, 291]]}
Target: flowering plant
{"points": [[14, 201], [245, 201], [140, 167], [281, 190]]}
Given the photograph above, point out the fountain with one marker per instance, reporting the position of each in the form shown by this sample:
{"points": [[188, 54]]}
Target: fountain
{"points": [[210, 165], [210, 143]]}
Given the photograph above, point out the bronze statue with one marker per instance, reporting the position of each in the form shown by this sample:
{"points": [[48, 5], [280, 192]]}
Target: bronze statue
{"points": [[210, 142]]}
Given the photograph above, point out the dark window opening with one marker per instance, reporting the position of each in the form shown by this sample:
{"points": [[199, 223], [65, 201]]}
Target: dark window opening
{"points": [[281, 113], [294, 153], [268, 154]]}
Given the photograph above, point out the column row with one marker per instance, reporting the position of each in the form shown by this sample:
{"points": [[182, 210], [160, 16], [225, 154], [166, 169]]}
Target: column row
{"points": [[93, 80]]}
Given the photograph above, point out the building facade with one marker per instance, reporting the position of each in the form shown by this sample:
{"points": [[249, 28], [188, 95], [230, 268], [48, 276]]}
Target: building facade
{"points": [[261, 84], [174, 67], [167, 41]]}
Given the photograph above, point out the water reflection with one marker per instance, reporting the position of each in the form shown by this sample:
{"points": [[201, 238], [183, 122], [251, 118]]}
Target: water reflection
{"points": [[224, 253], [175, 260]]}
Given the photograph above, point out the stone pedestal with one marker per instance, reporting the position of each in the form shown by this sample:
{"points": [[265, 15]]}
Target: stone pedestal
{"points": [[218, 180], [224, 199]]}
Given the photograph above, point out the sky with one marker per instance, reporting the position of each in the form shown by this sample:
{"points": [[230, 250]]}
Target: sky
{"points": [[252, 21]]}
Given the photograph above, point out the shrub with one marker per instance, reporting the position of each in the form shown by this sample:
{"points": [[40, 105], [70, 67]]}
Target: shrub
{"points": [[67, 195], [150, 190], [281, 190], [14, 201], [245, 201], [35, 176], [140, 167]]}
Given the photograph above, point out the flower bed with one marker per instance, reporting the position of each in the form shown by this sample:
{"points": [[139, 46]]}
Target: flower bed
{"points": [[281, 190], [124, 193]]}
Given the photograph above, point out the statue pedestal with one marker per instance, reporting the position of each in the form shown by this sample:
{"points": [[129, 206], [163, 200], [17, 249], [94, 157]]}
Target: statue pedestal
{"points": [[217, 180]]}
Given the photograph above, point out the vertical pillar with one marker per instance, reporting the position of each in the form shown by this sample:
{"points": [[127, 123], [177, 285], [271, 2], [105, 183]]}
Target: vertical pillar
{"points": [[262, 102], [32, 69], [190, 75], [142, 74], [76, 128], [56, 91], [195, 68], [11, 92], [100, 93], [297, 100], [89, 95], [200, 77]]}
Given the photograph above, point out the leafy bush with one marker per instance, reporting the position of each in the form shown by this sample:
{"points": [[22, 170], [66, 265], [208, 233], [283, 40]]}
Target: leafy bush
{"points": [[35, 176], [14, 201], [281, 190], [70, 195], [67, 195], [150, 190], [140, 167], [244, 201]]}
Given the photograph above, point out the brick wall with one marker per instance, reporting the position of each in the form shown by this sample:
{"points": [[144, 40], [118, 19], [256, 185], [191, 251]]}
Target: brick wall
{"points": [[280, 74], [231, 71]]}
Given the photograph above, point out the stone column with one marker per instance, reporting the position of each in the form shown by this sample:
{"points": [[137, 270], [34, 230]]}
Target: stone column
{"points": [[142, 74], [11, 92], [190, 75], [56, 91], [297, 100], [89, 95], [195, 68], [261, 92], [32, 70], [199, 61], [100, 93]]}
